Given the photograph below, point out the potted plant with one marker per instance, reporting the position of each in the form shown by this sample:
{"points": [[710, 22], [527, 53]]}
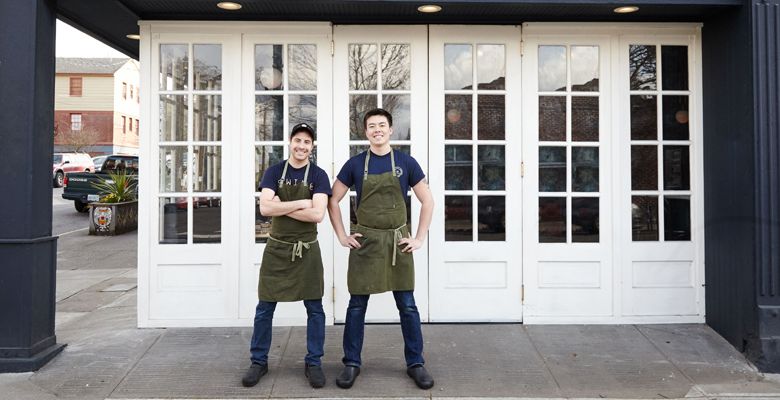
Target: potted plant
{"points": [[117, 210]]}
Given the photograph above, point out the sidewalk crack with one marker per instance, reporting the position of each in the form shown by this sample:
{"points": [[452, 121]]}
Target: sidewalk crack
{"points": [[281, 361], [658, 349], [541, 357], [135, 364]]}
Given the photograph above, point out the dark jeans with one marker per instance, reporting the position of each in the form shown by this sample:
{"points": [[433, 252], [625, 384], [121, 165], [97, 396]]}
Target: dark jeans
{"points": [[315, 331], [410, 327]]}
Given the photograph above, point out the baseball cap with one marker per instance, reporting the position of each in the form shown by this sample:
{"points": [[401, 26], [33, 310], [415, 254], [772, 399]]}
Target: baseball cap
{"points": [[303, 127]]}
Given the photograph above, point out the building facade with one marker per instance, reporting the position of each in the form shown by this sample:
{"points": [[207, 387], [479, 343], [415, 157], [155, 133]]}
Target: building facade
{"points": [[96, 105]]}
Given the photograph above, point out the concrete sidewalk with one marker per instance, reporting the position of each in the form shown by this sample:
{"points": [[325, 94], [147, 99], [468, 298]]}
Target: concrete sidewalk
{"points": [[108, 357]]}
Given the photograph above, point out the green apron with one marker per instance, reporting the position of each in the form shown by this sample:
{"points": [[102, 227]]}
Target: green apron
{"points": [[292, 265], [379, 265]]}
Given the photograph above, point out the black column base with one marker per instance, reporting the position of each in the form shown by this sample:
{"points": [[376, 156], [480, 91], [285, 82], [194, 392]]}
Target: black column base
{"points": [[33, 363], [764, 351]]}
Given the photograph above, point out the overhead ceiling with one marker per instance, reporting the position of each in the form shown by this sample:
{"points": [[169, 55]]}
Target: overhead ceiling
{"points": [[111, 20]]}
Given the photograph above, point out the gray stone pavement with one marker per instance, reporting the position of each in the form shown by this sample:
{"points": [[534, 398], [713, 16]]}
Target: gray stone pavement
{"points": [[107, 357]]}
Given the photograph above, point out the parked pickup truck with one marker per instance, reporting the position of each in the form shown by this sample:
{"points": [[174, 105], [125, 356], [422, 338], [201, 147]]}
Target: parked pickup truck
{"points": [[79, 186]]}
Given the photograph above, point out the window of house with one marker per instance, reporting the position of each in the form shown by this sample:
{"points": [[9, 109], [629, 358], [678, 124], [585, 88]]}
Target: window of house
{"points": [[131, 92], [75, 121], [130, 122], [124, 90], [124, 124], [136, 125], [75, 86]]}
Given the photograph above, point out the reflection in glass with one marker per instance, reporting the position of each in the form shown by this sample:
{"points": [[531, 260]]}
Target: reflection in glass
{"points": [[644, 167], [458, 167], [674, 67], [644, 122], [174, 66], [457, 118], [585, 68], [491, 66], [266, 156], [262, 224], [552, 220], [458, 217], [207, 117], [677, 218], [585, 119], [676, 168], [355, 149], [359, 104], [303, 108], [675, 114], [552, 68], [644, 218], [552, 118], [457, 67], [641, 67], [552, 169], [206, 220], [302, 59], [585, 219], [490, 117], [396, 67], [269, 67], [173, 169], [491, 167], [207, 62], [399, 105], [353, 208], [173, 220], [269, 118], [207, 166], [173, 118], [585, 169], [491, 218], [362, 66]]}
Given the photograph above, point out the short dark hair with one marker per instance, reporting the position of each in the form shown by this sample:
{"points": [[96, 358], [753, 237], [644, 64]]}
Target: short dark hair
{"points": [[377, 111]]}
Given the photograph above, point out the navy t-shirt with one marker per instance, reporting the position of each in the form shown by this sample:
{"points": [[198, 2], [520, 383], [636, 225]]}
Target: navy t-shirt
{"points": [[407, 169], [318, 178]]}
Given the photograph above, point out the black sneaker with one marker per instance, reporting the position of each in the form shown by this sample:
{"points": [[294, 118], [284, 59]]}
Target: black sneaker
{"points": [[253, 374], [315, 375], [347, 377], [420, 376]]}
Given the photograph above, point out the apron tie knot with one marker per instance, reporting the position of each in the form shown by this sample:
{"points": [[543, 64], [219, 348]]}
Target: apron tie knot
{"points": [[297, 250]]}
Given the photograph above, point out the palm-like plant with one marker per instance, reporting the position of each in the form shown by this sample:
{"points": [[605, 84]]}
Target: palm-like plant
{"points": [[117, 188]]}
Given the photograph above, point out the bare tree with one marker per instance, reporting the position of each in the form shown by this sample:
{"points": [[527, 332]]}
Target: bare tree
{"points": [[77, 140]]}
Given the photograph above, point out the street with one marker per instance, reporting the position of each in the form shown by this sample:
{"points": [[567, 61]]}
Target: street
{"points": [[64, 217]]}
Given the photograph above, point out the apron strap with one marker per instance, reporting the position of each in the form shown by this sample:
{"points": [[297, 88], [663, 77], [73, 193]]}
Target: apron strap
{"points": [[297, 248], [368, 156], [305, 174]]}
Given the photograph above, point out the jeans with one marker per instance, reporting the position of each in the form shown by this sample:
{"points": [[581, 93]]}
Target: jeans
{"points": [[315, 331], [410, 327]]}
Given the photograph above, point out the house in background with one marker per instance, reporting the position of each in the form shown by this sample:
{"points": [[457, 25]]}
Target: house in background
{"points": [[96, 105]]}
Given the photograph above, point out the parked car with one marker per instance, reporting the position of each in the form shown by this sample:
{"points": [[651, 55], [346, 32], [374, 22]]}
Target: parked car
{"points": [[64, 163], [98, 161], [79, 187]]}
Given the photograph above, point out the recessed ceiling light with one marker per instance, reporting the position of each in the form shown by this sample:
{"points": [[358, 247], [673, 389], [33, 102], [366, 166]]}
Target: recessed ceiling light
{"points": [[133, 36], [626, 9], [229, 5], [429, 8]]}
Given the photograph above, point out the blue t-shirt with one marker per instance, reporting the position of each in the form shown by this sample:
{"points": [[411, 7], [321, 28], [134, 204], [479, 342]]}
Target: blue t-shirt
{"points": [[318, 178], [407, 169]]}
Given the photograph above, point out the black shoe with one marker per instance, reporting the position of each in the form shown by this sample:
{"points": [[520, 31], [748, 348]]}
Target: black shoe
{"points": [[348, 376], [315, 375], [253, 374], [421, 377]]}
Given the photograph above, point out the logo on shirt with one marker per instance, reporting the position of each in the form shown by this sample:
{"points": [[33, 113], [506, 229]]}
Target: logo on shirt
{"points": [[399, 171]]}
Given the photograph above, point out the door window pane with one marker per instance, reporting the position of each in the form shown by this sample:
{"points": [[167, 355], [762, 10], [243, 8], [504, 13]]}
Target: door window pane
{"points": [[302, 59], [173, 221], [399, 105], [644, 167], [552, 220], [644, 122], [457, 119], [266, 156], [552, 169], [269, 67], [362, 66], [207, 62], [585, 169], [585, 219], [644, 218], [207, 168], [206, 220], [457, 66], [677, 218], [269, 118], [207, 117], [675, 114], [676, 168], [585, 119], [491, 66], [262, 224], [396, 67], [174, 66], [490, 117], [552, 68], [552, 118], [458, 224], [491, 218], [674, 67], [173, 169], [359, 104], [642, 67], [303, 108], [173, 118], [491, 167], [585, 68], [458, 167]]}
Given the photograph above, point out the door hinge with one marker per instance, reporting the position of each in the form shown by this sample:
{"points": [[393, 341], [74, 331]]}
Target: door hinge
{"points": [[332, 48], [522, 48], [522, 294], [522, 169], [334, 294]]}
